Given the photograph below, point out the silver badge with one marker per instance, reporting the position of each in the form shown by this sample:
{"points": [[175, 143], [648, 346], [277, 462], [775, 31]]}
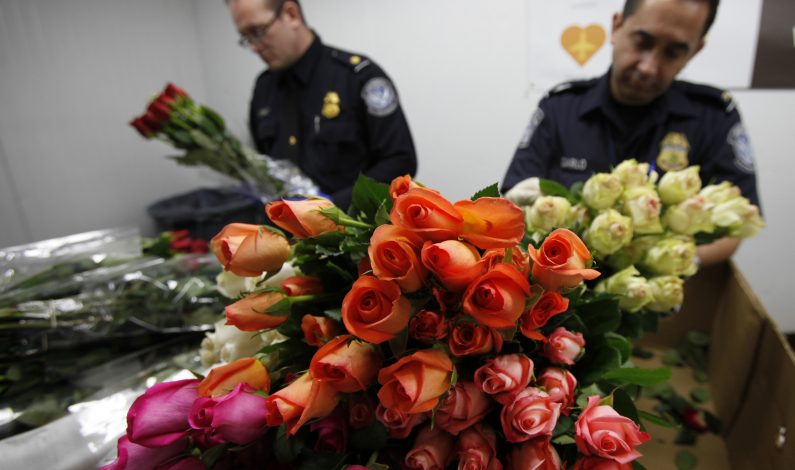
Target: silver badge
{"points": [[535, 120], [741, 145], [380, 96]]}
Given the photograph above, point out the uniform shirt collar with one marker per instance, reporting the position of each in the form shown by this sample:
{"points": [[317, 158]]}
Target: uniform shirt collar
{"points": [[302, 70], [674, 100]]}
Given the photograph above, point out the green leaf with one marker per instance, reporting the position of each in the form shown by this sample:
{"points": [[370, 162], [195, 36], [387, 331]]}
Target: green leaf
{"points": [[202, 140], [212, 455], [489, 191], [599, 357], [637, 376], [399, 342], [564, 426], [371, 437], [685, 460], [600, 316], [700, 395], [621, 344], [288, 346], [334, 314], [697, 338], [654, 419], [280, 308], [382, 215], [368, 196], [563, 440], [553, 188], [287, 448], [624, 405], [672, 358], [216, 118], [637, 465]]}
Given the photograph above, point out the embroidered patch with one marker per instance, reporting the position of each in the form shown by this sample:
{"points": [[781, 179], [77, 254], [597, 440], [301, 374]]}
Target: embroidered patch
{"points": [[741, 145], [535, 120], [380, 96]]}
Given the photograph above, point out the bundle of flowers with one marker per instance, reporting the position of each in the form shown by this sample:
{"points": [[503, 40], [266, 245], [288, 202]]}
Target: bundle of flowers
{"points": [[173, 117], [411, 332]]}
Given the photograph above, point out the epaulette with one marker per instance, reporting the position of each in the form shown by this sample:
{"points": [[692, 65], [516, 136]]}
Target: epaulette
{"points": [[710, 94], [355, 61], [571, 86]]}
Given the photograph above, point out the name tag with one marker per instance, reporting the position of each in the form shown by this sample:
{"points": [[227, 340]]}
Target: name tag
{"points": [[570, 163]]}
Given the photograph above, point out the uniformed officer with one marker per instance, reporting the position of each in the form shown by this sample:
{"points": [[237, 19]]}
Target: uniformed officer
{"points": [[637, 110], [333, 113]]}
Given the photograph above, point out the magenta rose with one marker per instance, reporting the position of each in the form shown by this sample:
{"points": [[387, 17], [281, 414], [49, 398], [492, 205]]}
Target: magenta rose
{"points": [[398, 423], [159, 417], [532, 414], [601, 432], [463, 406], [130, 455], [505, 376], [560, 384], [564, 346], [332, 434], [238, 417], [477, 449]]}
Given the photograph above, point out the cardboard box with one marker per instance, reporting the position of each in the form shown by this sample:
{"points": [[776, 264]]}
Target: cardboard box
{"points": [[751, 377]]}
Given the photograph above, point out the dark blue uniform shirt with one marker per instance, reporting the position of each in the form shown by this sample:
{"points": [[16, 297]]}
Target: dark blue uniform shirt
{"points": [[578, 129], [334, 114]]}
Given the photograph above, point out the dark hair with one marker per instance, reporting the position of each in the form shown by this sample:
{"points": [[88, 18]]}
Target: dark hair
{"points": [[631, 5]]}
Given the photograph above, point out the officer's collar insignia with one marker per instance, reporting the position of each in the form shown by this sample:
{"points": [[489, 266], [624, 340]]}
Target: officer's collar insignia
{"points": [[355, 59], [729, 100], [673, 152], [331, 105], [263, 112]]}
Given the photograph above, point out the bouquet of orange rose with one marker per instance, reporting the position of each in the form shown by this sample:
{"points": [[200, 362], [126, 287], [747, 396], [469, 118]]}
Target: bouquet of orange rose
{"points": [[410, 332]]}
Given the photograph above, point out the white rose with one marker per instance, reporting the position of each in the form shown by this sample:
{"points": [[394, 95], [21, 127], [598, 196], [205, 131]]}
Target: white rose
{"points": [[691, 216], [631, 173], [547, 213], [633, 289], [676, 186], [602, 190], [227, 343], [642, 204], [609, 232]]}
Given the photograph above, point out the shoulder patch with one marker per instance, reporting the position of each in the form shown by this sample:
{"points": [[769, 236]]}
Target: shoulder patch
{"points": [[741, 146], [380, 96]]}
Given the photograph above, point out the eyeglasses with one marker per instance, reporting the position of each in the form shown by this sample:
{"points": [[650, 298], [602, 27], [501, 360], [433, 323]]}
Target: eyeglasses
{"points": [[255, 34]]}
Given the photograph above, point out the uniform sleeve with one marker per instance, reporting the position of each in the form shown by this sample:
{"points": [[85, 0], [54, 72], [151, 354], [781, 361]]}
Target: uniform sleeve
{"points": [[729, 155], [537, 148], [390, 145]]}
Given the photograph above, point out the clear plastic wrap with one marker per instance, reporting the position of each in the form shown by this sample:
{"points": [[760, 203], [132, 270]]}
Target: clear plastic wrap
{"points": [[285, 179]]}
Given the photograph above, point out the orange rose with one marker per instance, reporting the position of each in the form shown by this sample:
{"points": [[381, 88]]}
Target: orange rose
{"points": [[427, 213], [455, 264], [519, 258], [428, 325], [562, 261], [318, 330], [249, 250], [299, 402], [401, 185], [346, 364], [302, 285], [248, 313], [414, 383], [394, 254], [549, 305], [223, 379], [471, 339], [302, 218], [375, 310], [491, 222], [497, 298]]}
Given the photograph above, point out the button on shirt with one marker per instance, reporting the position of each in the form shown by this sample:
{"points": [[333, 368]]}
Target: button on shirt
{"points": [[578, 129], [335, 115]]}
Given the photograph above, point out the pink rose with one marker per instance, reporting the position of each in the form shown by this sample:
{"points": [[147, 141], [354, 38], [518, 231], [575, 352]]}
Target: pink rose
{"points": [[536, 454], [505, 376], [560, 384], [595, 463], [600, 431], [433, 450], [130, 455], [159, 417], [463, 406], [477, 449], [532, 414], [398, 423], [332, 434], [239, 417], [564, 346]]}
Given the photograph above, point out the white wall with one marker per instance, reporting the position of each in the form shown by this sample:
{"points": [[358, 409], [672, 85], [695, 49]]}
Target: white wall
{"points": [[88, 66]]}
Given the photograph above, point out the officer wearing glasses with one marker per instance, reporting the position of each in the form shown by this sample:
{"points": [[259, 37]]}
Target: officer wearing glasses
{"points": [[334, 113], [637, 110]]}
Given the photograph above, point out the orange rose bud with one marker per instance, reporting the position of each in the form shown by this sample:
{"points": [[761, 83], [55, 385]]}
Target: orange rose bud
{"points": [[401, 185], [562, 261], [302, 285], [414, 383], [375, 310], [346, 364], [249, 250], [318, 330], [471, 339], [427, 213], [223, 379], [454, 264], [549, 305], [394, 253], [299, 402], [519, 258], [248, 313], [302, 218], [491, 222], [497, 298]]}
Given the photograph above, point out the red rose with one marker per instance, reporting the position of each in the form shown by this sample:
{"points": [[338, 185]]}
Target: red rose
{"points": [[428, 325]]}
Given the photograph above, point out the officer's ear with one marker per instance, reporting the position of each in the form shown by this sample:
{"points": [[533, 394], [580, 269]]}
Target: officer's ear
{"points": [[293, 11], [618, 21]]}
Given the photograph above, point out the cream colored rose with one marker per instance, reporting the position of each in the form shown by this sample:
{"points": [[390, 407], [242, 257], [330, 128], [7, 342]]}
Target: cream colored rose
{"points": [[633, 289], [631, 173], [668, 291], [609, 232], [579, 216], [690, 216], [739, 216], [718, 193], [674, 256], [642, 205], [633, 253], [676, 186], [227, 344], [602, 191], [548, 212], [232, 286]]}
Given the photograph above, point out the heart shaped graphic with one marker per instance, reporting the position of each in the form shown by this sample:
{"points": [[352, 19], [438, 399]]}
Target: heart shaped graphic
{"points": [[582, 43]]}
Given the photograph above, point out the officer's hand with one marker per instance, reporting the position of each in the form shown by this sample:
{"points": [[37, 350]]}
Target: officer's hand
{"points": [[525, 192]]}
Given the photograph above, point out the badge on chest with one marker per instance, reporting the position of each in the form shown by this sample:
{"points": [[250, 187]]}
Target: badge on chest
{"points": [[331, 105], [674, 148]]}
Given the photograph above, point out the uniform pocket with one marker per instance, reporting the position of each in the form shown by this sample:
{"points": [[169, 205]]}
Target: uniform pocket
{"points": [[335, 144]]}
